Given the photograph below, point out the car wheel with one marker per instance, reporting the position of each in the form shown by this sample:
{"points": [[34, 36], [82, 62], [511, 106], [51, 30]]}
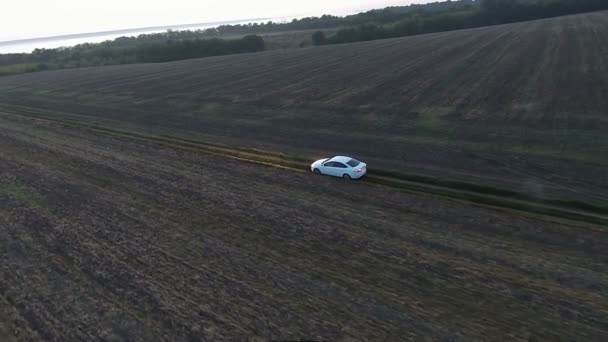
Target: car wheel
{"points": [[346, 176], [317, 171]]}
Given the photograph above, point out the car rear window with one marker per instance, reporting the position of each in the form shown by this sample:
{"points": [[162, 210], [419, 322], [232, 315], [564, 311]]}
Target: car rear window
{"points": [[353, 162]]}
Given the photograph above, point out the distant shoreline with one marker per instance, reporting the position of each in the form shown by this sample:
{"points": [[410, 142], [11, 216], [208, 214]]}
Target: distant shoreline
{"points": [[125, 31]]}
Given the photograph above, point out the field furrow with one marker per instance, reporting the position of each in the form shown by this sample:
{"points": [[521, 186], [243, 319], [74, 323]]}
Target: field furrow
{"points": [[120, 238]]}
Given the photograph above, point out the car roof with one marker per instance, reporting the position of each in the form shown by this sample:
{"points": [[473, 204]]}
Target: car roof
{"points": [[341, 159]]}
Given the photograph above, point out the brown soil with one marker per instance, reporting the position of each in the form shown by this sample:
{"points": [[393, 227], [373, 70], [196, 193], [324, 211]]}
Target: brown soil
{"points": [[122, 240], [519, 107]]}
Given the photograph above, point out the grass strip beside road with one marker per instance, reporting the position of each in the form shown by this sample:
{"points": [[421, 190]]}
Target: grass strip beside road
{"points": [[470, 192]]}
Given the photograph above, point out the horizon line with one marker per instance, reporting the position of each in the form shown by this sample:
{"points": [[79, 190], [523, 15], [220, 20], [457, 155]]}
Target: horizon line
{"points": [[125, 30]]}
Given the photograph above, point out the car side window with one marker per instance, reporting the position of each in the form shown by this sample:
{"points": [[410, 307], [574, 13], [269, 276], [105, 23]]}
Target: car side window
{"points": [[340, 165], [330, 164]]}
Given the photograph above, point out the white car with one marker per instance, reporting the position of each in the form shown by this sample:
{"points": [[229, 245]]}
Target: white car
{"points": [[340, 166]]}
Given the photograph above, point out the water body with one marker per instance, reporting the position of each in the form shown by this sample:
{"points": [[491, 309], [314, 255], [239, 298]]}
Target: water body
{"points": [[29, 45]]}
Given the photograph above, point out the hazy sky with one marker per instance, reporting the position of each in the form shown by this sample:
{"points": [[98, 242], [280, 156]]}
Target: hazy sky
{"points": [[41, 18]]}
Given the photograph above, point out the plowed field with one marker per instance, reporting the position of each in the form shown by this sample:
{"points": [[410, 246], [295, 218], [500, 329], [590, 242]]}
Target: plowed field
{"points": [[519, 107], [114, 238], [107, 236]]}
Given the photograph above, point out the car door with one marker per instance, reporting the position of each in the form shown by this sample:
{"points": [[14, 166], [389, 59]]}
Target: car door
{"points": [[340, 169], [330, 169]]}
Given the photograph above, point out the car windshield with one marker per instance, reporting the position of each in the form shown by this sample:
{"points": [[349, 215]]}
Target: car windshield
{"points": [[353, 162]]}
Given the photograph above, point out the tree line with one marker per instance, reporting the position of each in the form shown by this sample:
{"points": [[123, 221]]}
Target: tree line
{"points": [[141, 52], [469, 14], [380, 16], [175, 45], [389, 22]]}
